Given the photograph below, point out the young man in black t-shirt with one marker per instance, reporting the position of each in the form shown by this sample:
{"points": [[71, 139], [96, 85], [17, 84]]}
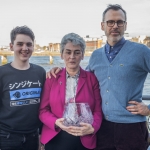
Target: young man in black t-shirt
{"points": [[20, 90]]}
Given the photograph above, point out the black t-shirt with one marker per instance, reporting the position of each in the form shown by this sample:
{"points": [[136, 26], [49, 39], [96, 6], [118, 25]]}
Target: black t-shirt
{"points": [[20, 92]]}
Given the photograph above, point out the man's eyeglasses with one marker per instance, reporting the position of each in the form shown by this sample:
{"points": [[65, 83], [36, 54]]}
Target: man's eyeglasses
{"points": [[111, 23]]}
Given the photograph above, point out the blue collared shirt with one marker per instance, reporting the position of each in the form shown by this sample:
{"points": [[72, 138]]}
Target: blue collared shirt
{"points": [[112, 51]]}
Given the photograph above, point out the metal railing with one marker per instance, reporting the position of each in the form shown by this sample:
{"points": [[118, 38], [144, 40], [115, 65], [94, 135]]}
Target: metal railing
{"points": [[145, 97]]}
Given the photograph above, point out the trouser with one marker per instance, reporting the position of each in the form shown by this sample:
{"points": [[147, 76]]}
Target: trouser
{"points": [[17, 141], [122, 136], [65, 141]]}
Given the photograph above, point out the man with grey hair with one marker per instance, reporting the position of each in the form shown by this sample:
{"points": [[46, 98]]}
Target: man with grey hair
{"points": [[121, 67]]}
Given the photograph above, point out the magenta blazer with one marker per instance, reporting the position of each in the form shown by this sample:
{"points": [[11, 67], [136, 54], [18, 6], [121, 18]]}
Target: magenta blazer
{"points": [[53, 101]]}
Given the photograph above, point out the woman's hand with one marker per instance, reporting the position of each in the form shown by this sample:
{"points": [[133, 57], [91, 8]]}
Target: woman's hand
{"points": [[84, 129], [59, 123]]}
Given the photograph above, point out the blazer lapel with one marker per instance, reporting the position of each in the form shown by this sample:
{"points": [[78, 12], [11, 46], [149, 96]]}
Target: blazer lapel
{"points": [[62, 85], [81, 80]]}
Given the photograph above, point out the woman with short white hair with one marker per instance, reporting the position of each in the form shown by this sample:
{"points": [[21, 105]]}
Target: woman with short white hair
{"points": [[72, 85]]}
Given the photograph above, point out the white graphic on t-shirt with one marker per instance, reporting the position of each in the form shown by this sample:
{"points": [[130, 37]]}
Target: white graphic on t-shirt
{"points": [[24, 84]]}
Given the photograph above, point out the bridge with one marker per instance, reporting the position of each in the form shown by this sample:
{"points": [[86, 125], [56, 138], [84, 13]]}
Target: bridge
{"points": [[5, 53]]}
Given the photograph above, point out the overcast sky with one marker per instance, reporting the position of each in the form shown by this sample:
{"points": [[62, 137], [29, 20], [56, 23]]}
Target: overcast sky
{"points": [[50, 20]]}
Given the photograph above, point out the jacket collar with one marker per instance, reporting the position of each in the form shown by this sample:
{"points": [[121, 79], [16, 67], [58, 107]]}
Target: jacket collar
{"points": [[61, 80]]}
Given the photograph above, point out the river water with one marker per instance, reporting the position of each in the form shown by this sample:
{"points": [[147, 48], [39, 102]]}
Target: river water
{"points": [[57, 61]]}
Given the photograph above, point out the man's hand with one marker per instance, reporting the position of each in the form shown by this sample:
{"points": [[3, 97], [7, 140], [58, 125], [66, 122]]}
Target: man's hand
{"points": [[41, 146], [138, 108], [53, 72]]}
